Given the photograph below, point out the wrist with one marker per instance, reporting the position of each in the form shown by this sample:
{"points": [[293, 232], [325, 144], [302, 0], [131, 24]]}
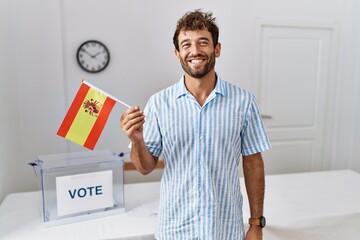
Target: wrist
{"points": [[257, 222], [255, 227], [254, 232]]}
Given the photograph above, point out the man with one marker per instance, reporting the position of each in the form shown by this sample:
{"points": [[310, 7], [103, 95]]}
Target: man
{"points": [[201, 126]]}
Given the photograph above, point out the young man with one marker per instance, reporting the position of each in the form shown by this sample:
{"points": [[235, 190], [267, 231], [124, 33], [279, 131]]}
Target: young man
{"points": [[201, 126]]}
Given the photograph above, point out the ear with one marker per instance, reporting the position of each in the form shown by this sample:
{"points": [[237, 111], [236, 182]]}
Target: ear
{"points": [[177, 54], [217, 50]]}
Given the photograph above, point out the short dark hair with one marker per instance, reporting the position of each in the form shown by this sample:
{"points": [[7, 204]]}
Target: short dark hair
{"points": [[197, 20]]}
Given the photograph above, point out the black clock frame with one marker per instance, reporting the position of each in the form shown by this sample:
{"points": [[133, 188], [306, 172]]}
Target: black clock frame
{"points": [[100, 43]]}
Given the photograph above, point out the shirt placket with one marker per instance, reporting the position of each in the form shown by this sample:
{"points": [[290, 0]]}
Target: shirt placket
{"points": [[200, 131], [199, 163]]}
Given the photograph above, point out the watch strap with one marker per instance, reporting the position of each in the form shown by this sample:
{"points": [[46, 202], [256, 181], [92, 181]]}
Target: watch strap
{"points": [[258, 221], [254, 221]]}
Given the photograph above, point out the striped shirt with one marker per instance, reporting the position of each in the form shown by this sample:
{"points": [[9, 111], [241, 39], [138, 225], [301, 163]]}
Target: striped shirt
{"points": [[201, 147]]}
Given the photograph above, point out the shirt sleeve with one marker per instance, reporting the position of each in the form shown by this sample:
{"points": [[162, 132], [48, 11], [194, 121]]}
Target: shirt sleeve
{"points": [[151, 132], [254, 137]]}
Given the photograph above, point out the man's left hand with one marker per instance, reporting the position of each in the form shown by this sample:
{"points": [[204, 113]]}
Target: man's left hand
{"points": [[254, 233]]}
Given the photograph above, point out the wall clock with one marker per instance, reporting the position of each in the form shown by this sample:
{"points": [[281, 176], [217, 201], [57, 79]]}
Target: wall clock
{"points": [[93, 56]]}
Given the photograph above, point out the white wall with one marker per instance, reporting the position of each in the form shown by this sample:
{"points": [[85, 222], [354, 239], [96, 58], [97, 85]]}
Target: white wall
{"points": [[355, 140], [9, 117], [347, 104], [39, 73], [31, 89]]}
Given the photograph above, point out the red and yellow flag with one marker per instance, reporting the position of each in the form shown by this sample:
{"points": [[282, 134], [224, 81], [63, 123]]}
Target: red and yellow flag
{"points": [[87, 116]]}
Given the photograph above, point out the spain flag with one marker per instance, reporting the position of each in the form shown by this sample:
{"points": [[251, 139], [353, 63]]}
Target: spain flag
{"points": [[87, 116]]}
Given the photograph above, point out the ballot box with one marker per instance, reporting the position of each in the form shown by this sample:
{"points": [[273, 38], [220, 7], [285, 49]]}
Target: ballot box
{"points": [[80, 186]]}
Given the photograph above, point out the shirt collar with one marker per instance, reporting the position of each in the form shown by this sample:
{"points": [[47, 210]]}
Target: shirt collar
{"points": [[219, 87]]}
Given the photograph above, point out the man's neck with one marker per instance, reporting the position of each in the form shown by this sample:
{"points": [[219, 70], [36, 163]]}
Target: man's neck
{"points": [[201, 88]]}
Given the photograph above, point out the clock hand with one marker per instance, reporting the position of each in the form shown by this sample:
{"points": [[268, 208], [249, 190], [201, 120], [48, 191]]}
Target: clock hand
{"points": [[94, 56], [83, 50]]}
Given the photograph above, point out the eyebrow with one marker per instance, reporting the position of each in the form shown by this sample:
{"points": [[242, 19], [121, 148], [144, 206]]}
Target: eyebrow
{"points": [[200, 39]]}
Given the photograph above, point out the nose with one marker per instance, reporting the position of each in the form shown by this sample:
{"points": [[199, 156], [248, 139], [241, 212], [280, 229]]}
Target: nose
{"points": [[195, 49]]}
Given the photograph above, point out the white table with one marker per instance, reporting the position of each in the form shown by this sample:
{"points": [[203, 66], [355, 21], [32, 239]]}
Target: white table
{"points": [[317, 205], [20, 218]]}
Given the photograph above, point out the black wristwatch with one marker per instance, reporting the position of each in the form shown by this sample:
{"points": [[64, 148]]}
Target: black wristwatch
{"points": [[258, 221]]}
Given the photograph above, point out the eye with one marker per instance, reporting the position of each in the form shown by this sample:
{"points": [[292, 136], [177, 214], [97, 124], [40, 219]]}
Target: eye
{"points": [[204, 43], [185, 45]]}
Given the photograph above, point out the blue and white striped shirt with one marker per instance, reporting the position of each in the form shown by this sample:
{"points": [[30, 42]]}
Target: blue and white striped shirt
{"points": [[201, 147]]}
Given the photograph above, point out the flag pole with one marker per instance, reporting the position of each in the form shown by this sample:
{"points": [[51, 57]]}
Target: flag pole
{"points": [[94, 87]]}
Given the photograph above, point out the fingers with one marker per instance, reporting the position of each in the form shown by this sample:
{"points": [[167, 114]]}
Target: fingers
{"points": [[131, 117], [132, 120]]}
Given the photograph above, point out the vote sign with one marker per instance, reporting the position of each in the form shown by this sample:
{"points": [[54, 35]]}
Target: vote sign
{"points": [[84, 192]]}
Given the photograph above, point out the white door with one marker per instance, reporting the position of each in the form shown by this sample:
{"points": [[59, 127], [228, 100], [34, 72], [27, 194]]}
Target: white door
{"points": [[293, 86]]}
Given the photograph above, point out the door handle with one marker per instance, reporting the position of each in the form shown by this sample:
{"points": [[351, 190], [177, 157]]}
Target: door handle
{"points": [[266, 116]]}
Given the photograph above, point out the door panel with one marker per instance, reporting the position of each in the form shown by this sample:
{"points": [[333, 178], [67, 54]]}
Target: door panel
{"points": [[292, 73], [294, 68]]}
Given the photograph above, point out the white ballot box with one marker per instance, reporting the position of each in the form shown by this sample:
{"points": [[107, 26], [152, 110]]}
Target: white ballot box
{"points": [[80, 186]]}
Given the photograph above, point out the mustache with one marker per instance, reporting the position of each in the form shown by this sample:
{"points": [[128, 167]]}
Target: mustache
{"points": [[200, 55]]}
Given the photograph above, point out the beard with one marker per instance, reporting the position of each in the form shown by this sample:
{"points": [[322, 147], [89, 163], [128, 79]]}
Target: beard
{"points": [[199, 72]]}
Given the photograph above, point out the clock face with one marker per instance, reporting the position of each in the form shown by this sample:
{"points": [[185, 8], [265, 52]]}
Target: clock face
{"points": [[93, 56]]}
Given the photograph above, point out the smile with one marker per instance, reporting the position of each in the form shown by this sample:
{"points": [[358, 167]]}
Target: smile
{"points": [[196, 61]]}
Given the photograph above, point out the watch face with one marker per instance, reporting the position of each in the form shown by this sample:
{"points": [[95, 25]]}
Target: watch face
{"points": [[262, 222], [93, 56]]}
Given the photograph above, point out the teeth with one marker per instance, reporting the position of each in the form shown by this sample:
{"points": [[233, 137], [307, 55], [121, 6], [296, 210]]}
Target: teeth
{"points": [[196, 61]]}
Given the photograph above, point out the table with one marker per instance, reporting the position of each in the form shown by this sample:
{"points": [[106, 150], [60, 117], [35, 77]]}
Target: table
{"points": [[20, 218], [314, 205]]}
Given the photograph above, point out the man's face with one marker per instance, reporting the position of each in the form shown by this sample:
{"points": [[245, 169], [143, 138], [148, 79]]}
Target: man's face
{"points": [[196, 52]]}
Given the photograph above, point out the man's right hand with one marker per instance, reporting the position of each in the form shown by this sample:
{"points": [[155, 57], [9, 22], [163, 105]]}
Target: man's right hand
{"points": [[132, 122]]}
